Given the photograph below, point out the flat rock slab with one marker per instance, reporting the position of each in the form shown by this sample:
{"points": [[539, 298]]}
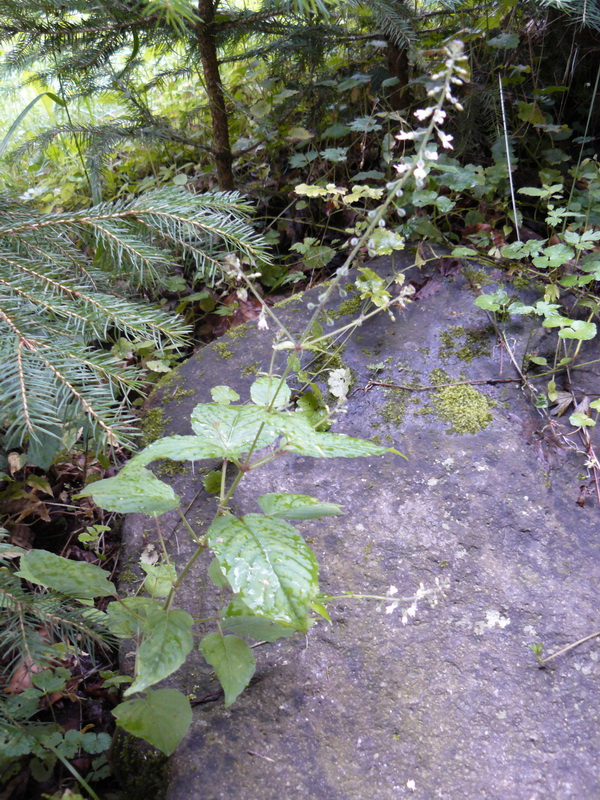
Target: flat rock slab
{"points": [[448, 703]]}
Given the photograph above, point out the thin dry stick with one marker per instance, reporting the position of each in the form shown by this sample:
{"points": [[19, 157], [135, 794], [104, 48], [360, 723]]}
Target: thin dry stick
{"points": [[441, 385], [570, 647]]}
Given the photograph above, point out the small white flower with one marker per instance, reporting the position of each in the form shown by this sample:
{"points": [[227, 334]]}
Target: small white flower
{"points": [[263, 325], [405, 135], [423, 113], [446, 139], [431, 155], [392, 591], [439, 116]]}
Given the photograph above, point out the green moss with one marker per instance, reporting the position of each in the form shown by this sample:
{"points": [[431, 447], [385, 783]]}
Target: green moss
{"points": [[521, 282], [476, 277], [251, 369], [466, 409], [153, 425], [170, 467], [237, 333], [394, 410], [294, 298], [141, 770], [464, 344], [179, 393], [222, 350], [128, 576], [349, 307], [167, 379]]}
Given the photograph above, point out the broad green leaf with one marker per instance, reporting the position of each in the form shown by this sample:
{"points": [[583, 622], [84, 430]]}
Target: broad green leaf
{"points": [[365, 124], [268, 564], [522, 249], [231, 430], [215, 573], [302, 438], [492, 302], [311, 190], [177, 448], [321, 610], [302, 159], [336, 131], [383, 242], [239, 619], [578, 329], [296, 506], [134, 489], [463, 252], [539, 360], [595, 404], [504, 41], [166, 644], [73, 578], [580, 420], [51, 680], [270, 392], [232, 660], [212, 481], [520, 308], [128, 616], [335, 154], [224, 395], [159, 578], [161, 717]]}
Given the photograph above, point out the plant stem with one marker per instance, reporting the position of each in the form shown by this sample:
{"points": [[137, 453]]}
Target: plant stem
{"points": [[570, 647]]}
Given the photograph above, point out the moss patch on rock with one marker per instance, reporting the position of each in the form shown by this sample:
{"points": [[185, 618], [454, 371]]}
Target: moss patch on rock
{"points": [[222, 350], [465, 344], [170, 468], [466, 409], [153, 425]]}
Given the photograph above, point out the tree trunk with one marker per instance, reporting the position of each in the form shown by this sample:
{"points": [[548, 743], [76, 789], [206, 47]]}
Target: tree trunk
{"points": [[398, 67], [214, 90]]}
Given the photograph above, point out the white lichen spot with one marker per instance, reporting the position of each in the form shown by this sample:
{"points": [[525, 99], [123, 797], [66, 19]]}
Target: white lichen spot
{"points": [[432, 482], [493, 619], [501, 714], [447, 463], [411, 785]]}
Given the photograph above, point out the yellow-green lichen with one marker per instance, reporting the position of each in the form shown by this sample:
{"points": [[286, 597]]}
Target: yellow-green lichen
{"points": [[222, 350], [153, 425]]}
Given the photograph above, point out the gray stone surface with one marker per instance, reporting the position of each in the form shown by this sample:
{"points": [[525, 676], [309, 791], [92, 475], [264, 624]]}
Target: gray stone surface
{"points": [[453, 704]]}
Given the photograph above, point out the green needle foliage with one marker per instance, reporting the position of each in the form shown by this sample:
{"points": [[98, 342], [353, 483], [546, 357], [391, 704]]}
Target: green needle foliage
{"points": [[65, 287]]}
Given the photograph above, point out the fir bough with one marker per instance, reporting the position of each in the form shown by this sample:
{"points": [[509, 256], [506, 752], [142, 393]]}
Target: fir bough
{"points": [[65, 287]]}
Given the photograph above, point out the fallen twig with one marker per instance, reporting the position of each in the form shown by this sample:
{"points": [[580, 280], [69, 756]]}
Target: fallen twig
{"points": [[569, 647], [441, 385]]}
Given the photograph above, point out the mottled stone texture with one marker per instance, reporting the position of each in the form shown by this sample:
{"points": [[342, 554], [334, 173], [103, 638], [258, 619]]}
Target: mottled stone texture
{"points": [[453, 704]]}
